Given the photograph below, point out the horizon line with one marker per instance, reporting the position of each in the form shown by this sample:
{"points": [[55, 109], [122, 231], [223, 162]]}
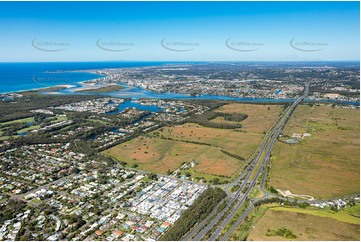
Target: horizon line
{"points": [[210, 61]]}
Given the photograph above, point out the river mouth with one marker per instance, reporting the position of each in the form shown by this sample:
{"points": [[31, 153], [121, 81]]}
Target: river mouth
{"points": [[135, 92], [74, 76]]}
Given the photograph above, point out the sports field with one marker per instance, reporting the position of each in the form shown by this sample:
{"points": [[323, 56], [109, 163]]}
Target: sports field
{"points": [[326, 164]]}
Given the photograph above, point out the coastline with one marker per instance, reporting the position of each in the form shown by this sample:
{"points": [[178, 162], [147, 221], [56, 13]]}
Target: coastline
{"points": [[85, 86], [58, 87], [99, 88], [39, 89], [54, 88], [90, 86]]}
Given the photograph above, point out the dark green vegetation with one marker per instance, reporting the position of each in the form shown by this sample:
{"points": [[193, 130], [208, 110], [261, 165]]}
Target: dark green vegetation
{"points": [[195, 213], [51, 89], [286, 202], [283, 232], [7, 211], [79, 121], [234, 188], [221, 207], [204, 119], [20, 108], [111, 88], [18, 119]]}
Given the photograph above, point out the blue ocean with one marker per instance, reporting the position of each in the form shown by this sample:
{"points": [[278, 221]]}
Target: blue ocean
{"points": [[16, 77], [27, 76]]}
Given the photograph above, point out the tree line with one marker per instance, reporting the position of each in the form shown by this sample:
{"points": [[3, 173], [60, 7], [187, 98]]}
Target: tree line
{"points": [[204, 119], [198, 211], [33, 100]]}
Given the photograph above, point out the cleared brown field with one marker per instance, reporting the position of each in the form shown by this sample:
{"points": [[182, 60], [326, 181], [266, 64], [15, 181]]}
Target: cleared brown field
{"points": [[260, 117], [159, 155], [241, 141], [326, 164], [304, 226], [156, 153]]}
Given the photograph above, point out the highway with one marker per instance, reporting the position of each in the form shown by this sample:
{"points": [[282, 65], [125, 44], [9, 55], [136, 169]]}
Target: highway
{"points": [[255, 168], [239, 221], [236, 196], [189, 236]]}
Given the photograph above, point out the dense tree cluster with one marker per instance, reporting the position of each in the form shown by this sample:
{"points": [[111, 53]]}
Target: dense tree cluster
{"points": [[235, 117], [285, 202], [204, 119], [10, 209], [152, 176], [79, 121], [33, 100], [12, 128]]}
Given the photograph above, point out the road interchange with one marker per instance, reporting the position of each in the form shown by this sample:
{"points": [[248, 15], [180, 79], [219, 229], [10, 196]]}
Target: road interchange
{"points": [[251, 174]]}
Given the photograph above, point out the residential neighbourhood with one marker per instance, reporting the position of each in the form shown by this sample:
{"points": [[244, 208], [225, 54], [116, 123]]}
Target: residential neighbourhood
{"points": [[109, 203]]}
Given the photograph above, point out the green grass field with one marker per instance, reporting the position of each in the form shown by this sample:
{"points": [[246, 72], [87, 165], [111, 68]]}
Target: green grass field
{"points": [[57, 119], [4, 137], [348, 215], [306, 224], [326, 164], [23, 120], [256, 193], [28, 129]]}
